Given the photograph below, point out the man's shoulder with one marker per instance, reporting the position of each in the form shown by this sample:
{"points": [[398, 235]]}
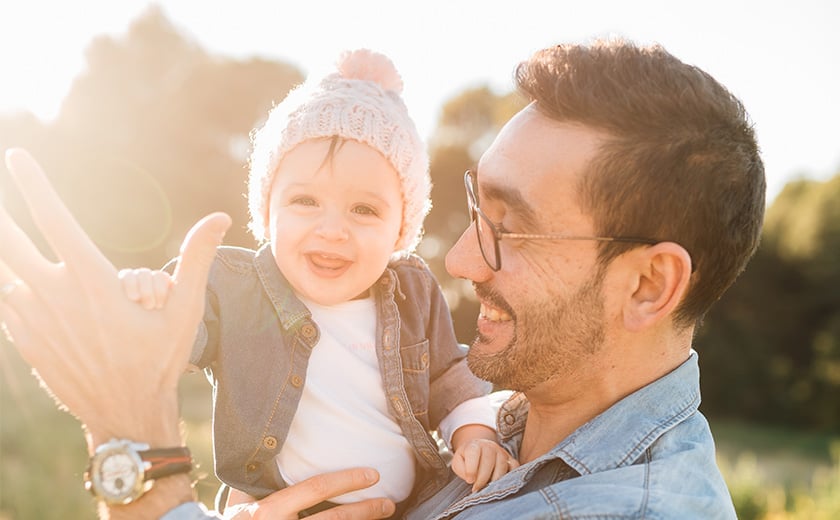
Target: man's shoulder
{"points": [[676, 476]]}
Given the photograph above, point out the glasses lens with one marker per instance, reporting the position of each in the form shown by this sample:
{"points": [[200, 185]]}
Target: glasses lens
{"points": [[483, 227], [486, 241]]}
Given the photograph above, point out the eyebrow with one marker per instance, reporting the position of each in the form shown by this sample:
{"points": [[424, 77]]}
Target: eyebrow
{"points": [[513, 199]]}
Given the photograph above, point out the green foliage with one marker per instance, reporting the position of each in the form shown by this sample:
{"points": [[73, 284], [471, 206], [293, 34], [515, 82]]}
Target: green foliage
{"points": [[770, 348], [756, 497]]}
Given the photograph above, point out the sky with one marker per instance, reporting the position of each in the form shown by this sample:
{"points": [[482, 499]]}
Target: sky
{"points": [[781, 58]]}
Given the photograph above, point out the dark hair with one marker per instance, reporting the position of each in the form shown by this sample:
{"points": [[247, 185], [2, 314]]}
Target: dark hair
{"points": [[680, 162]]}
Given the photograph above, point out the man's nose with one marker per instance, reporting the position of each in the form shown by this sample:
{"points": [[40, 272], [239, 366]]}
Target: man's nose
{"points": [[464, 260]]}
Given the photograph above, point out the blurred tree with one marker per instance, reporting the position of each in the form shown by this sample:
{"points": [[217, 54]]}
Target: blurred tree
{"points": [[771, 346], [154, 134], [467, 125]]}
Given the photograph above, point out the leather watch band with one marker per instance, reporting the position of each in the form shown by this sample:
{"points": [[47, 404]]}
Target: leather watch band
{"points": [[167, 461]]}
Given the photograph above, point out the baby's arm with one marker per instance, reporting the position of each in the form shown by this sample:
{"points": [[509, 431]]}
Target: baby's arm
{"points": [[478, 458], [146, 287]]}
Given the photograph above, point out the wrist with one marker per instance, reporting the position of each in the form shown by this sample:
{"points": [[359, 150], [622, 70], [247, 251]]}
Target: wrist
{"points": [[166, 494], [155, 421]]}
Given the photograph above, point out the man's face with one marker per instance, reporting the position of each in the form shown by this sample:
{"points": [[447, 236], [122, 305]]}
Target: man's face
{"points": [[543, 313]]}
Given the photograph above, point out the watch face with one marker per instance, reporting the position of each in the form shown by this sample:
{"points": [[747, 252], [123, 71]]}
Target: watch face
{"points": [[118, 475]]}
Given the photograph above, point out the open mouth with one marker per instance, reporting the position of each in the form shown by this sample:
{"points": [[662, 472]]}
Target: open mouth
{"points": [[493, 314], [328, 265]]}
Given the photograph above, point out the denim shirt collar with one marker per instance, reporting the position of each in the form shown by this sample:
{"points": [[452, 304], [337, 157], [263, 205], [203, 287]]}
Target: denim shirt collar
{"points": [[618, 436]]}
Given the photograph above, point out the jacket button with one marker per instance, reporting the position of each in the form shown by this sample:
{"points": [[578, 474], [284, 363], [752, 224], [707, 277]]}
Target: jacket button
{"points": [[308, 331], [270, 442], [509, 419], [251, 467], [398, 406], [424, 360], [297, 381]]}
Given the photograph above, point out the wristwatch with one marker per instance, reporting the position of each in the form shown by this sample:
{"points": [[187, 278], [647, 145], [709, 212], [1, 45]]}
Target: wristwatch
{"points": [[121, 471]]}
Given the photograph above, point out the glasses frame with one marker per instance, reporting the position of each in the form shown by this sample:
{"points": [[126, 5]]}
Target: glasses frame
{"points": [[476, 213]]}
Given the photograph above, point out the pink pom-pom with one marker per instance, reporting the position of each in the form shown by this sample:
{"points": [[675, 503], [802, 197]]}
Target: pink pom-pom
{"points": [[367, 65]]}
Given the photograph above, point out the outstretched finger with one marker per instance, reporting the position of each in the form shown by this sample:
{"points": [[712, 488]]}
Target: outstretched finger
{"points": [[364, 510], [317, 489], [18, 251], [66, 237], [197, 253]]}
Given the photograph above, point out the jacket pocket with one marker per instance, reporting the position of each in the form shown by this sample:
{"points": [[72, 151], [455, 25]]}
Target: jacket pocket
{"points": [[415, 368]]}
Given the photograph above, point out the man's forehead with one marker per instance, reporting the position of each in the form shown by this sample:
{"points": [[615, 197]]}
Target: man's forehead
{"points": [[535, 164]]}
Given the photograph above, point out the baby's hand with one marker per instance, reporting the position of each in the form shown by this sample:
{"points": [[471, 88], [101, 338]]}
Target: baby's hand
{"points": [[481, 461], [146, 287]]}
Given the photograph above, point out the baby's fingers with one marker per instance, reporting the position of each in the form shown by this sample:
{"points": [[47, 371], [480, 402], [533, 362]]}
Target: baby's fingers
{"points": [[494, 463], [504, 464], [129, 284], [161, 283], [459, 467]]}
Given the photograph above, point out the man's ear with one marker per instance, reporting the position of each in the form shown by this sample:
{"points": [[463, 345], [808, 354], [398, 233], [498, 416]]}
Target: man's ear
{"points": [[661, 275]]}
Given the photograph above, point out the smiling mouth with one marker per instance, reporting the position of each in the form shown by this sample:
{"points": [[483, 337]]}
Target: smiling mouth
{"points": [[493, 314]]}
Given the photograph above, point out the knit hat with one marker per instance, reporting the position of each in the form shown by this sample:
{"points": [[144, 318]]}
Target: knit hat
{"points": [[360, 100]]}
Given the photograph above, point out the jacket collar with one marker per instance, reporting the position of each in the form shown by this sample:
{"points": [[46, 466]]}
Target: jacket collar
{"points": [[618, 436], [289, 309]]}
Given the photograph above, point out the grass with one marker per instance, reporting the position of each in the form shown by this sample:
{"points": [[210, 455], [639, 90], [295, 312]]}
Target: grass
{"points": [[772, 473]]}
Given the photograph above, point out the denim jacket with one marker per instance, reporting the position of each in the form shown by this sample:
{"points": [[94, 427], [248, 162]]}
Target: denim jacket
{"points": [[254, 345], [650, 455]]}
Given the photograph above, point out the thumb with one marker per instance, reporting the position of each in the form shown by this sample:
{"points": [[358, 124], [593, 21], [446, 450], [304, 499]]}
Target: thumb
{"points": [[197, 253]]}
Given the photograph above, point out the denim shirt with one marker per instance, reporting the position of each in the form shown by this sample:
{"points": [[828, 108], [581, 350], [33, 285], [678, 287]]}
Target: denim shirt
{"points": [[254, 344], [650, 455]]}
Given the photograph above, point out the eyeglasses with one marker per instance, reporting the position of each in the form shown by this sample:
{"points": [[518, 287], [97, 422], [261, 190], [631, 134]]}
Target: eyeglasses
{"points": [[489, 234]]}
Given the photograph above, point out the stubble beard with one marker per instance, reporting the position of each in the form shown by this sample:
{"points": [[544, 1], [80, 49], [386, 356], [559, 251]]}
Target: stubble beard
{"points": [[552, 337]]}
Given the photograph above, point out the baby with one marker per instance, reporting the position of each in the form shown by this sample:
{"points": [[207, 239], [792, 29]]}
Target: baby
{"points": [[332, 346]]}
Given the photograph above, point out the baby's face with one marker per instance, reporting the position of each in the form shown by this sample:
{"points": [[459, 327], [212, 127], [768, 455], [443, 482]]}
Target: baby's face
{"points": [[334, 223]]}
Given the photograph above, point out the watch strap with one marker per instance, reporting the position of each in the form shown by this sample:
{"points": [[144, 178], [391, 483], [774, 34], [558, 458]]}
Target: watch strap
{"points": [[164, 462]]}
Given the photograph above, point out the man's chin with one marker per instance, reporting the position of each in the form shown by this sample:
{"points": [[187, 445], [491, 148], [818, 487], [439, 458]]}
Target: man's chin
{"points": [[494, 367]]}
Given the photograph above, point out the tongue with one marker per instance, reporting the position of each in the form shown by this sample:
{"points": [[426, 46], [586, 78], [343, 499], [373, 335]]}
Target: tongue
{"points": [[328, 263]]}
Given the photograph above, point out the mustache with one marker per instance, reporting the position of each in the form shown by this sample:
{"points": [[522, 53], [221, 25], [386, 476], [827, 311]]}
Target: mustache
{"points": [[491, 296]]}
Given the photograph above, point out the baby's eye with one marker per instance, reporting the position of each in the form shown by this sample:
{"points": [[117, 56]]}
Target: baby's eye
{"points": [[364, 209], [304, 201]]}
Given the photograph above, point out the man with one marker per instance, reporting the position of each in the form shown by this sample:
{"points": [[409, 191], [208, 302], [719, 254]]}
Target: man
{"points": [[608, 216]]}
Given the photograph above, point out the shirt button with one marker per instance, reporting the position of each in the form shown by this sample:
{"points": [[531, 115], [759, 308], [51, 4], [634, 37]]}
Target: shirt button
{"points": [[509, 419], [308, 331], [297, 381], [384, 280], [424, 360], [270, 442], [427, 454], [398, 406]]}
